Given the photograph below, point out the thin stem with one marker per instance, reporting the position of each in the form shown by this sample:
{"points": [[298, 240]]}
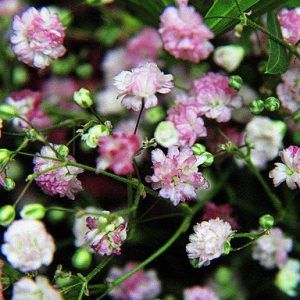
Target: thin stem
{"points": [[139, 117], [92, 274]]}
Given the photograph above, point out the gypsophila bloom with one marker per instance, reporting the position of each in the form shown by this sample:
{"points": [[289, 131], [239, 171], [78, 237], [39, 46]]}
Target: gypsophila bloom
{"points": [[117, 152], [199, 293], [184, 34], [61, 181], [289, 91], [288, 277], [142, 285], [176, 174], [27, 245], [27, 105], [272, 250], [215, 98], [39, 289], [37, 37], [80, 228], [208, 241], [289, 170], [106, 234], [266, 136], [141, 84], [289, 21]]}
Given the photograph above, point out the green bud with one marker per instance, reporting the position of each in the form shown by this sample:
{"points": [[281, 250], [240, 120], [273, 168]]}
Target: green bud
{"points": [[235, 82], [166, 134], [223, 276], [83, 98], [155, 114], [81, 259], [7, 215], [209, 159], [19, 75], [227, 247], [9, 184], [56, 215], [272, 104], [84, 71], [198, 149], [4, 156], [266, 222], [7, 112], [257, 106], [33, 211], [63, 150], [94, 133], [238, 29]]}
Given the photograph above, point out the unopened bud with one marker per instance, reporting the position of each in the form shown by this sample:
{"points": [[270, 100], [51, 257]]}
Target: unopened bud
{"points": [[9, 184], [7, 215], [198, 149], [272, 104], [257, 106], [238, 29], [63, 150], [266, 222], [7, 112], [166, 134], [209, 159], [155, 114], [4, 156], [235, 82], [81, 259], [83, 98], [94, 133], [33, 211]]}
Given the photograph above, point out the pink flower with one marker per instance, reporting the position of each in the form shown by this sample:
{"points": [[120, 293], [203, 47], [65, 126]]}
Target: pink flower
{"points": [[117, 152], [61, 181], [37, 37], [200, 293], [215, 98], [142, 285], [289, 91], [272, 250], [223, 211], [290, 24], [184, 34], [208, 241], [176, 174], [28, 106], [143, 47], [142, 83], [105, 236], [185, 117], [289, 170], [9, 8]]}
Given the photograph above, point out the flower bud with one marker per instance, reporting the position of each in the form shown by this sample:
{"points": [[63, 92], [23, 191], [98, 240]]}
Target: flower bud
{"points": [[83, 98], [81, 259], [166, 134], [209, 159], [238, 29], [63, 150], [257, 106], [229, 57], [7, 215], [4, 156], [155, 114], [235, 82], [272, 104], [33, 211], [94, 133], [7, 112], [9, 184], [55, 215], [198, 149], [266, 222], [84, 71], [19, 75]]}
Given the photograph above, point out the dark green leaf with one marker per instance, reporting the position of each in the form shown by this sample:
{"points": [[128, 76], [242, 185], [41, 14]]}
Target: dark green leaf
{"points": [[278, 61]]}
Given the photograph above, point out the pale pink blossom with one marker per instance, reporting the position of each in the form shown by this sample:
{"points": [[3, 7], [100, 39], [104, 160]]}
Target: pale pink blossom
{"points": [[106, 235], [37, 37], [28, 106], [208, 241], [10, 7], [289, 170], [62, 181], [176, 174], [272, 250], [142, 285], [215, 98], [199, 293], [141, 84], [117, 152], [184, 34], [185, 117], [289, 91], [289, 21]]}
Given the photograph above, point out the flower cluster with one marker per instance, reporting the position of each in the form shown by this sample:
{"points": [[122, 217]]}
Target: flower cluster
{"points": [[200, 293]]}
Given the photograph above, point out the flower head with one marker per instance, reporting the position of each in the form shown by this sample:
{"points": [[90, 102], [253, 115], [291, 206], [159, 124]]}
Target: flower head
{"points": [[184, 34], [289, 21], [176, 174], [289, 170], [141, 84], [27, 245], [61, 181], [272, 250], [199, 293], [106, 234], [215, 98], [37, 37], [40, 288], [117, 152], [142, 285], [208, 241]]}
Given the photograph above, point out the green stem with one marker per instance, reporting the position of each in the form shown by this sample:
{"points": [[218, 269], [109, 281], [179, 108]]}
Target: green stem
{"points": [[92, 274]]}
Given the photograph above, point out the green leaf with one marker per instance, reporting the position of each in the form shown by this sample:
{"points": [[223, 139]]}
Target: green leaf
{"points": [[278, 61]]}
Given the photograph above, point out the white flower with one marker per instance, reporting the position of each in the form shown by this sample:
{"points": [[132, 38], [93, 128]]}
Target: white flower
{"points": [[27, 245], [166, 134], [208, 241], [92, 136], [40, 289]]}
